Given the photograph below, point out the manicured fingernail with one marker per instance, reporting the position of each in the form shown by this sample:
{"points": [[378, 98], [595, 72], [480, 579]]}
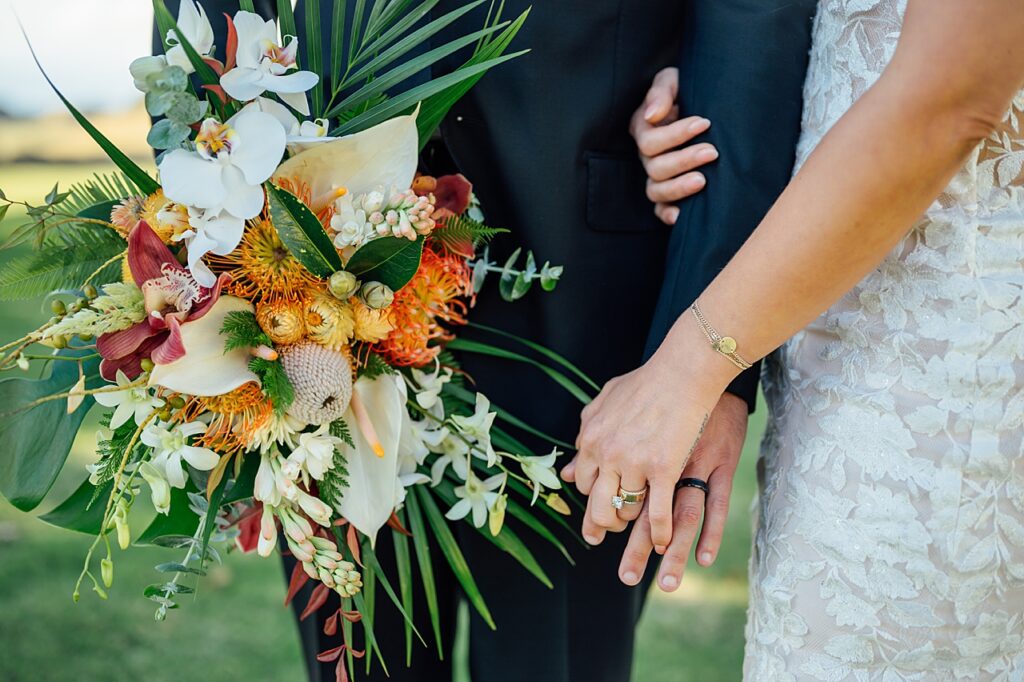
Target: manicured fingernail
{"points": [[669, 582], [651, 111], [591, 539], [699, 125], [709, 154], [629, 577], [706, 558], [660, 549], [695, 182]]}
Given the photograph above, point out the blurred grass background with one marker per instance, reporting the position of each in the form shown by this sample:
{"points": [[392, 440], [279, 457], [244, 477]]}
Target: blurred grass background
{"points": [[237, 628]]}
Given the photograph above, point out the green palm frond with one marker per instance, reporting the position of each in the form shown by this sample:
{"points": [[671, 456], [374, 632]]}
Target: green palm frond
{"points": [[100, 188], [67, 260]]}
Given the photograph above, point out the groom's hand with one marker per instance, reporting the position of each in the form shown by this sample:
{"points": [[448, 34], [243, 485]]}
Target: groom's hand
{"points": [[714, 460], [659, 133]]}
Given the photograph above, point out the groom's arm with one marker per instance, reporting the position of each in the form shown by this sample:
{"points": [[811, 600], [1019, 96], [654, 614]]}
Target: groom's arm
{"points": [[743, 67]]}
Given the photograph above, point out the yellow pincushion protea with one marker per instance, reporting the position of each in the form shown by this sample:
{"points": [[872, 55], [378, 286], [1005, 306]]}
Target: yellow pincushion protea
{"points": [[283, 321], [371, 325], [168, 219], [262, 268], [329, 322]]}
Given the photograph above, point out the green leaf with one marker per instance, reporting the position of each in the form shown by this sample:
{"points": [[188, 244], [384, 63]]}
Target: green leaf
{"points": [[546, 352], [36, 442], [370, 561], [241, 330], [139, 177], [77, 513], [393, 261], [421, 543], [242, 487], [337, 40], [300, 230], [450, 548], [286, 18], [246, 6], [175, 567], [314, 52], [167, 134], [470, 346], [403, 564], [275, 383]]}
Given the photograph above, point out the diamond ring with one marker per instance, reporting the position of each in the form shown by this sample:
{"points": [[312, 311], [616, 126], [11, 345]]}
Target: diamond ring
{"points": [[628, 497]]}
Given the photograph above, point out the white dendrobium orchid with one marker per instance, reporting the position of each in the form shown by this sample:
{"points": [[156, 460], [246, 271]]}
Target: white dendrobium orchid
{"points": [[454, 452], [313, 456], [477, 428], [300, 135], [263, 64], [385, 155], [195, 26], [159, 490], [231, 161], [210, 231], [477, 497], [541, 471], [205, 369], [431, 385], [135, 402], [372, 495], [171, 447]]}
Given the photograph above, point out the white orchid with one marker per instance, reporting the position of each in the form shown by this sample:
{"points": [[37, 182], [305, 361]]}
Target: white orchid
{"points": [[262, 63], [226, 171], [159, 490], [136, 401], [477, 427], [210, 231], [268, 532], [196, 29], [271, 485], [541, 471], [313, 456], [300, 135], [477, 497], [171, 446], [455, 453], [430, 386]]}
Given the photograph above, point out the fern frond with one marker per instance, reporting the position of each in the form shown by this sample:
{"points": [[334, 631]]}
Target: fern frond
{"points": [[339, 429], [275, 383], [65, 260], [331, 488], [241, 330], [462, 235], [373, 367]]}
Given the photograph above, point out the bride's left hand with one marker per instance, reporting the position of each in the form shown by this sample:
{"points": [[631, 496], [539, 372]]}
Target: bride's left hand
{"points": [[640, 431]]}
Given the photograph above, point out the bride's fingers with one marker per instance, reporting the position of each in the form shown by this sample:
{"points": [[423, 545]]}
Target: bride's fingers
{"points": [[592, 532], [662, 95], [659, 503], [654, 140], [636, 484], [689, 509], [638, 551], [568, 472], [601, 510], [676, 188], [667, 213], [673, 164], [716, 512]]}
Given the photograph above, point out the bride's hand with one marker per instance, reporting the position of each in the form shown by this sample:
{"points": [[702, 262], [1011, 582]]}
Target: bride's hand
{"points": [[659, 133], [639, 432]]}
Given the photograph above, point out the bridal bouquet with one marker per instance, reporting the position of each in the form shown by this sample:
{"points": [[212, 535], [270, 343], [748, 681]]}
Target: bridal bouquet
{"points": [[267, 329]]}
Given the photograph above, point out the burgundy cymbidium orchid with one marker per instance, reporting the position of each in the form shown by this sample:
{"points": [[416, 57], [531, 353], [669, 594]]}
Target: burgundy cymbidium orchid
{"points": [[172, 297]]}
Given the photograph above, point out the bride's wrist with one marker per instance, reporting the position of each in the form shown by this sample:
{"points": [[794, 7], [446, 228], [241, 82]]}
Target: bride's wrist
{"points": [[687, 354]]}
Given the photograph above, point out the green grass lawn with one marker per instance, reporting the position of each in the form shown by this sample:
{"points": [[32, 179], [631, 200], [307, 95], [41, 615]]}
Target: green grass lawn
{"points": [[236, 628]]}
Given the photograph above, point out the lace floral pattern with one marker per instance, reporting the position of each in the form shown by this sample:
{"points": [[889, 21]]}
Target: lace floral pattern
{"points": [[890, 544]]}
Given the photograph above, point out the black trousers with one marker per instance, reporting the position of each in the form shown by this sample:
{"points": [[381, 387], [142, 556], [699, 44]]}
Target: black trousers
{"points": [[582, 630]]}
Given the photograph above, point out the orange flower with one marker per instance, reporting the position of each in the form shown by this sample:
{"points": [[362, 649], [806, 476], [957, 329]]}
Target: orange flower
{"points": [[262, 268], [235, 416], [435, 294]]}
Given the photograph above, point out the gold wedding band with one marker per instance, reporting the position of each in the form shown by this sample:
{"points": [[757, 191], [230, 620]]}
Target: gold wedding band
{"points": [[629, 497]]}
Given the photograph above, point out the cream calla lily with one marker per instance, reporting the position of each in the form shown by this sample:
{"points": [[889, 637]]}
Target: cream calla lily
{"points": [[206, 370], [371, 495], [382, 156]]}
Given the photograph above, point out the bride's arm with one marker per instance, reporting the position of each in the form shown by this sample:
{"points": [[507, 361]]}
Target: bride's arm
{"points": [[956, 69]]}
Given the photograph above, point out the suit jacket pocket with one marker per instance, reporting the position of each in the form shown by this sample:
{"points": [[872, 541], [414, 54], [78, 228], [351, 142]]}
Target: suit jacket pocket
{"points": [[616, 194]]}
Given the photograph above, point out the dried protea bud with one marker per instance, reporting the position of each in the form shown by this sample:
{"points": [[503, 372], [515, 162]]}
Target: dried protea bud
{"points": [[343, 285], [322, 379], [371, 325], [329, 321], [283, 321], [376, 295]]}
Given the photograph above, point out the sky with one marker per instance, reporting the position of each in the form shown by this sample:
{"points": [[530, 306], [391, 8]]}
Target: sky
{"points": [[85, 47]]}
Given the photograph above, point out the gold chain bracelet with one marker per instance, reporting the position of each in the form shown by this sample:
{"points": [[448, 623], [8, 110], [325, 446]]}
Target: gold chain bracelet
{"points": [[726, 345]]}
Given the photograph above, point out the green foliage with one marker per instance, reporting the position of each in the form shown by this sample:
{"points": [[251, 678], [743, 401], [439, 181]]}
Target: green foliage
{"points": [[102, 188], [460, 231], [332, 486], [111, 451], [339, 429], [390, 260], [65, 261], [276, 385], [375, 366], [301, 232], [241, 330]]}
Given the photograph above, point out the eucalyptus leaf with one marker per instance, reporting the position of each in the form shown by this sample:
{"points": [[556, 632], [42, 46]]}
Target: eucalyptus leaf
{"points": [[174, 567], [167, 134], [184, 108], [171, 77], [302, 233], [393, 261], [507, 281]]}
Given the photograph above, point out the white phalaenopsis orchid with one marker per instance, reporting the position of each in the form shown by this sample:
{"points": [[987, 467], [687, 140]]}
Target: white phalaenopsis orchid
{"points": [[132, 401], [477, 497], [210, 231], [263, 63], [313, 456], [541, 471], [196, 29], [301, 135], [171, 446]]}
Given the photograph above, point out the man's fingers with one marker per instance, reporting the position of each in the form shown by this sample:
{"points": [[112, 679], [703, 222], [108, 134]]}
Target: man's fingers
{"points": [[716, 512], [662, 95], [654, 140], [660, 511], [569, 471], [672, 164], [676, 188], [667, 213], [689, 509], [638, 551], [602, 513], [585, 474]]}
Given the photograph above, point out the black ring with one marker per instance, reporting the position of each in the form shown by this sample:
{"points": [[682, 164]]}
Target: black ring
{"points": [[693, 483]]}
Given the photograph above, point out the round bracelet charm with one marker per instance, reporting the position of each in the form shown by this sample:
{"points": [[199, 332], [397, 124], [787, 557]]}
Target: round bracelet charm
{"points": [[726, 345]]}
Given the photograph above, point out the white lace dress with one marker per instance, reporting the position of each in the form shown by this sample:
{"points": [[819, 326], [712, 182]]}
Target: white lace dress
{"points": [[890, 543]]}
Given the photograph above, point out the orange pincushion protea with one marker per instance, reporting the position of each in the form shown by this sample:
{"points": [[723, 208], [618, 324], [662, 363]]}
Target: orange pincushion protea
{"points": [[436, 293], [262, 268], [236, 415]]}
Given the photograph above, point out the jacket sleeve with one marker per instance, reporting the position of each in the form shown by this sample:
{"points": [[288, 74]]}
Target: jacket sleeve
{"points": [[743, 66]]}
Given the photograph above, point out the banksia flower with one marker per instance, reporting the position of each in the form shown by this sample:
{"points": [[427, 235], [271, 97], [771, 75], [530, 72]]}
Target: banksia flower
{"points": [[283, 321], [322, 379], [329, 321]]}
